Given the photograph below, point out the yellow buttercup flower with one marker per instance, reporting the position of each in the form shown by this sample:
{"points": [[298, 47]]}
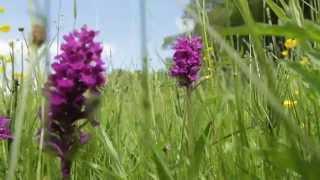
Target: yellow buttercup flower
{"points": [[289, 103], [2, 9], [304, 61], [291, 43], [5, 28], [296, 92], [1, 70], [285, 53]]}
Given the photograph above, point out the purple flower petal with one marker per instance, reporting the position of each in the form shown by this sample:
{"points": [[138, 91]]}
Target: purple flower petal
{"points": [[89, 80], [57, 99], [187, 60], [65, 83], [84, 138], [5, 132], [78, 69]]}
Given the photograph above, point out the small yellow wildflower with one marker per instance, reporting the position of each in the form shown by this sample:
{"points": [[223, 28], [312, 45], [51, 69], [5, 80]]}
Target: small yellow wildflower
{"points": [[289, 103], [285, 53], [2, 9], [291, 43], [1, 70], [5, 28], [304, 61], [296, 92]]}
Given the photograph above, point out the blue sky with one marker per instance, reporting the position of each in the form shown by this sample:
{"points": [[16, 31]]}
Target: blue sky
{"points": [[117, 21]]}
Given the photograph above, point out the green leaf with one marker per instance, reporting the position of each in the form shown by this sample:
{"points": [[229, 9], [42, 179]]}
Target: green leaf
{"points": [[287, 158], [277, 10], [199, 152], [162, 168], [113, 153], [262, 29], [312, 30], [312, 77]]}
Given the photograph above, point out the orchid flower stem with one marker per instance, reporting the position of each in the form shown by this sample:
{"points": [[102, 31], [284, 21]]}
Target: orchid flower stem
{"points": [[189, 119], [187, 124], [66, 169], [4, 151]]}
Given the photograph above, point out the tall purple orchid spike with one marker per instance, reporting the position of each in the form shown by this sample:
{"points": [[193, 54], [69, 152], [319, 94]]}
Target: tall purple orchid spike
{"points": [[5, 132], [187, 60], [77, 72]]}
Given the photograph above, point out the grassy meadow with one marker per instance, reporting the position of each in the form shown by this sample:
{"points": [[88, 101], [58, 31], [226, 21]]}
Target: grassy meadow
{"points": [[253, 114]]}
